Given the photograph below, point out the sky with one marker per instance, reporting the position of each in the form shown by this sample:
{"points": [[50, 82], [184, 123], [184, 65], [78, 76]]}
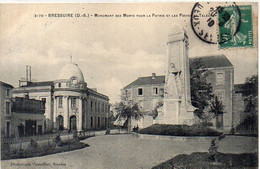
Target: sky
{"points": [[111, 51]]}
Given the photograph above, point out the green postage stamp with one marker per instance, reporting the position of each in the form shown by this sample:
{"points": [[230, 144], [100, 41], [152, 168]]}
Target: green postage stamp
{"points": [[235, 26]]}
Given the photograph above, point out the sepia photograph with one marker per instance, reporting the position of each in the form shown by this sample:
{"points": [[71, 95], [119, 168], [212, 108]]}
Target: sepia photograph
{"points": [[138, 85]]}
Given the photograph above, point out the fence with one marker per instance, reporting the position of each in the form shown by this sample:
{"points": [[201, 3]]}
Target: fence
{"points": [[247, 130], [22, 142]]}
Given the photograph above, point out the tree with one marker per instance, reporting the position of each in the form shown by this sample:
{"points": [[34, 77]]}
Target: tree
{"points": [[217, 108], [201, 90], [155, 111], [250, 92], [129, 110]]}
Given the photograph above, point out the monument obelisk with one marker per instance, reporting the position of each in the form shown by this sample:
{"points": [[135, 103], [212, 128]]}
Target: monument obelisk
{"points": [[177, 108]]}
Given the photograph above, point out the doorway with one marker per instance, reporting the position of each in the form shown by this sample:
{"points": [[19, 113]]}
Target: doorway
{"points": [[30, 127], [73, 123], [60, 122]]}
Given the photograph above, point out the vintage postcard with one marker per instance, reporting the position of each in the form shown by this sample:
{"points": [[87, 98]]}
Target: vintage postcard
{"points": [[129, 85]]}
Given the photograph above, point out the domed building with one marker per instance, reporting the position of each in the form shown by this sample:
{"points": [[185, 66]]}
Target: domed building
{"points": [[69, 104]]}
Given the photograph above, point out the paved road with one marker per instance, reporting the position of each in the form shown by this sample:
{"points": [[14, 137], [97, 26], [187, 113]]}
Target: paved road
{"points": [[128, 151]]}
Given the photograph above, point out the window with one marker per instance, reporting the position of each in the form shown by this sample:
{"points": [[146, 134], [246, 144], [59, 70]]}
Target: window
{"points": [[95, 106], [220, 94], [91, 105], [155, 90], [7, 107], [140, 91], [98, 121], [60, 102], [8, 129], [220, 78], [8, 92], [127, 94], [43, 102], [91, 121], [73, 102]]}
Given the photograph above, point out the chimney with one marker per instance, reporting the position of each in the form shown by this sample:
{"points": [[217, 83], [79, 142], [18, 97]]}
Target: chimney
{"points": [[26, 73], [30, 74], [153, 75]]}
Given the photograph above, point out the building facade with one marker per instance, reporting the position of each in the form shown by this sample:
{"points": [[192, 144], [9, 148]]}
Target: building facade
{"points": [[239, 105], [70, 104], [27, 117], [5, 108], [221, 79], [148, 92]]}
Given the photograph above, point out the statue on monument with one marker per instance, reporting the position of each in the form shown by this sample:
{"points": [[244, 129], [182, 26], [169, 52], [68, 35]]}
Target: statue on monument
{"points": [[173, 91]]}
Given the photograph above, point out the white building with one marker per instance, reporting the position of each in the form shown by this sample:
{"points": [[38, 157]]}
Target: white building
{"points": [[70, 104]]}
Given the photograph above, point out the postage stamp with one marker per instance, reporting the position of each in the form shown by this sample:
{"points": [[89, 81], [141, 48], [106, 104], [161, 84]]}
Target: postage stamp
{"points": [[235, 26]]}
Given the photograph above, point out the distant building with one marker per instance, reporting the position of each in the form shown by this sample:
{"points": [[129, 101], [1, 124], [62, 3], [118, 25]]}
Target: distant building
{"points": [[69, 103], [148, 91], [20, 116], [27, 117], [5, 108]]}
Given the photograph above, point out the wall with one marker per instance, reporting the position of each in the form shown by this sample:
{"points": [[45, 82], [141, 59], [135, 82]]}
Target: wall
{"points": [[20, 118], [96, 112], [148, 100], [3, 99], [228, 92]]}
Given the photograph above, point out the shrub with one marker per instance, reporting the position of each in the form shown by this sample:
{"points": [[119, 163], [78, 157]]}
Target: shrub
{"points": [[75, 136], [179, 130], [57, 140], [33, 144], [42, 150], [5, 147]]}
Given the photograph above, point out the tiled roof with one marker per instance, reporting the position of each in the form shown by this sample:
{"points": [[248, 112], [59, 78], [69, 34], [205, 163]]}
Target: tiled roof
{"points": [[215, 61], [147, 80], [6, 84], [35, 84]]}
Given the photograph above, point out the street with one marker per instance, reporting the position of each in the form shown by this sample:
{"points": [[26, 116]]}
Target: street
{"points": [[130, 151]]}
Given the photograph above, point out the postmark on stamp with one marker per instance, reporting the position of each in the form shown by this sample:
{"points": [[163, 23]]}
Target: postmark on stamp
{"points": [[228, 25], [235, 28], [203, 22]]}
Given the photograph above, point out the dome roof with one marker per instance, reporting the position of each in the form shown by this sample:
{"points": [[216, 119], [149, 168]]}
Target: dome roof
{"points": [[70, 70]]}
